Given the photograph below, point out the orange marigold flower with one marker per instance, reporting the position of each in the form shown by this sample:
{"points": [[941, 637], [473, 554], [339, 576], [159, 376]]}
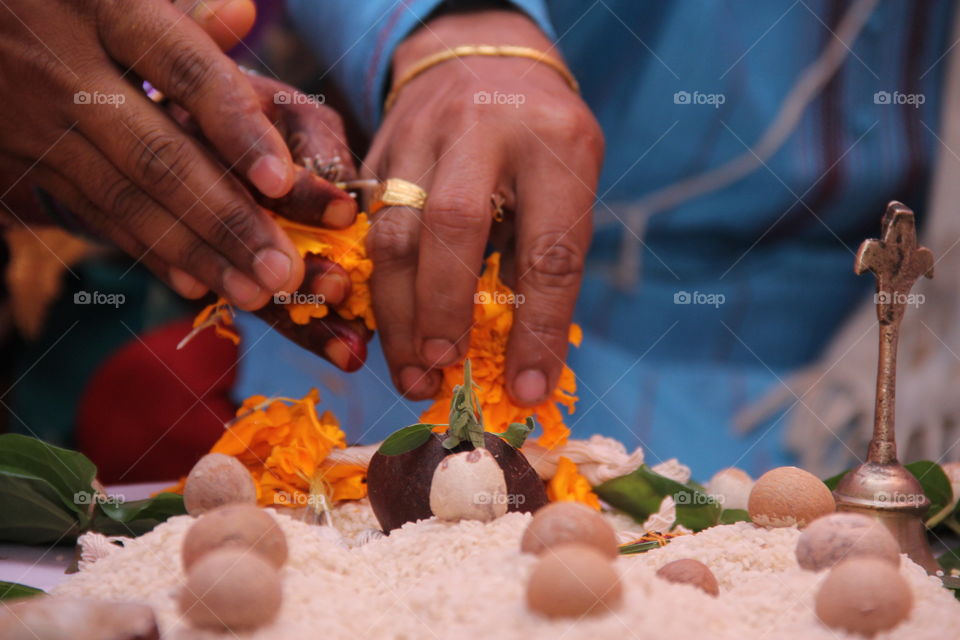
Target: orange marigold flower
{"points": [[568, 485], [284, 444], [346, 247], [493, 316]]}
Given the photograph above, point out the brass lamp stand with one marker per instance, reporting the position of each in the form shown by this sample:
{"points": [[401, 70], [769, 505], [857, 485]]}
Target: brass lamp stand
{"points": [[882, 487]]}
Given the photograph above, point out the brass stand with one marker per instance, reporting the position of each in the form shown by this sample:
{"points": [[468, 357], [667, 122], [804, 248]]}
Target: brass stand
{"points": [[882, 487]]}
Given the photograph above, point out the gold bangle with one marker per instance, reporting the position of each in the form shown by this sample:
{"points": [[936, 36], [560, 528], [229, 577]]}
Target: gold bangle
{"points": [[502, 51]]}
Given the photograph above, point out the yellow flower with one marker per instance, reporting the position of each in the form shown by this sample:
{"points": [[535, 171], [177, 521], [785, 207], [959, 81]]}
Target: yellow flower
{"points": [[568, 485], [493, 317], [284, 443]]}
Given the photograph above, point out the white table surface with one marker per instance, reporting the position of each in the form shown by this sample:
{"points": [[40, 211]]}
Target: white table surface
{"points": [[44, 567]]}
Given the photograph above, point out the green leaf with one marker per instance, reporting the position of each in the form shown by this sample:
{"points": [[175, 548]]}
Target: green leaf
{"points": [[134, 518], [639, 494], [833, 481], [14, 590], [516, 434], [729, 516], [935, 483], [68, 472], [406, 439], [46, 493], [638, 547]]}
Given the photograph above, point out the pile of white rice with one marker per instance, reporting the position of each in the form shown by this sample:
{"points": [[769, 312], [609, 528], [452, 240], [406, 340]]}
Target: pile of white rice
{"points": [[468, 580]]}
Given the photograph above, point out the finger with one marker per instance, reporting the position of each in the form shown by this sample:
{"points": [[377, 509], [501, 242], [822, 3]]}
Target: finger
{"points": [[165, 47], [177, 172], [120, 205], [342, 342], [65, 192], [552, 240], [314, 201], [456, 223], [316, 138], [227, 22], [392, 244]]}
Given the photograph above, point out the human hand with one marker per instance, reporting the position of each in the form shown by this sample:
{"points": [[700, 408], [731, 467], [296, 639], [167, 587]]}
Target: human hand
{"points": [[314, 134], [537, 147], [75, 120]]}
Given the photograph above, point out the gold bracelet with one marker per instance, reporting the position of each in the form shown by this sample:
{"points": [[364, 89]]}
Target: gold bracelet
{"points": [[502, 51]]}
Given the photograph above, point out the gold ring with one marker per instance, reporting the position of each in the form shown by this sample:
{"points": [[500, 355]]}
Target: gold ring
{"points": [[396, 192]]}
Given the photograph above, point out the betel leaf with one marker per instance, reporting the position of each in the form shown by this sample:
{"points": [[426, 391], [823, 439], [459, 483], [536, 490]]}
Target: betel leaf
{"points": [[69, 473], [15, 590], [935, 483], [640, 493], [516, 434], [137, 517], [406, 439], [31, 512], [46, 492]]}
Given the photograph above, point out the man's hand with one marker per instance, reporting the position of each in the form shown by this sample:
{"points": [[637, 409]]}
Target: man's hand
{"points": [[465, 130], [74, 115]]}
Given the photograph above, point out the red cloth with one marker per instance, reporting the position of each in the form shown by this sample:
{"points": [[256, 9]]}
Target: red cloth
{"points": [[150, 411]]}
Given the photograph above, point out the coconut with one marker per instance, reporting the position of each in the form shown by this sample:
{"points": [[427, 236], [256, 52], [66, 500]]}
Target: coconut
{"points": [[232, 589], [838, 536], [692, 572], [243, 526], [864, 595], [399, 485], [569, 522], [789, 496], [573, 580], [217, 479], [468, 486]]}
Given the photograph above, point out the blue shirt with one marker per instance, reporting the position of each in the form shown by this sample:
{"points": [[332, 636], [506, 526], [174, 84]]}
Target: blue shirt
{"points": [[733, 290]]}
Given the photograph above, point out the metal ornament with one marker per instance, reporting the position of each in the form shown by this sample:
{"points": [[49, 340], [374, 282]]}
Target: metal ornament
{"points": [[881, 487]]}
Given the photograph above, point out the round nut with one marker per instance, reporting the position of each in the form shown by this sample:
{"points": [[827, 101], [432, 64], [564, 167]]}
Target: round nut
{"points": [[232, 589], [838, 536], [217, 479], [235, 525], [692, 572], [573, 580], [865, 596], [569, 522], [789, 496]]}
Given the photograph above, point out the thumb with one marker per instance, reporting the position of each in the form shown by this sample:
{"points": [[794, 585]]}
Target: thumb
{"points": [[225, 21]]}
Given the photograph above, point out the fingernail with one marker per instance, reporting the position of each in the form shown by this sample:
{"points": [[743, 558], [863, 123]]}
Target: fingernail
{"points": [[338, 352], [271, 176], [340, 213], [530, 386], [414, 381], [332, 286], [272, 268], [185, 284], [438, 352], [241, 290], [202, 12]]}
